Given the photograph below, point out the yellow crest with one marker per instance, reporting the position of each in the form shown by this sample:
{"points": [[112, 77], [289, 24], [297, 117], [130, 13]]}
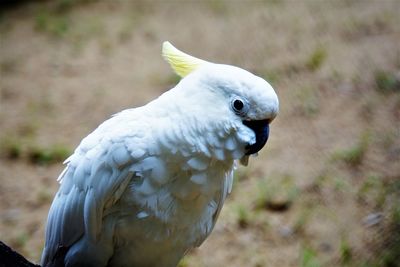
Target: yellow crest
{"points": [[181, 63]]}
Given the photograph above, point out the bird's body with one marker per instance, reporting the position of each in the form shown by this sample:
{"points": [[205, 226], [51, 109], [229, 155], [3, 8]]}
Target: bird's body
{"points": [[148, 184]]}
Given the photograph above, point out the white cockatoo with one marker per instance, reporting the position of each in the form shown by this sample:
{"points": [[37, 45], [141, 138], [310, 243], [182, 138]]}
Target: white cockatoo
{"points": [[148, 184]]}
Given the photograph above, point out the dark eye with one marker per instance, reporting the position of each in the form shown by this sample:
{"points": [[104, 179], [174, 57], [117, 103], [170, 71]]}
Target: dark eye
{"points": [[238, 105]]}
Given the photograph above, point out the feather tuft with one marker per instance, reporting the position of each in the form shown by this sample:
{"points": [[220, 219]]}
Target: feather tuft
{"points": [[181, 63]]}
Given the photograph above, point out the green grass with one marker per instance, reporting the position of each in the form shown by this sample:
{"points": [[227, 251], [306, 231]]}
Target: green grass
{"points": [[243, 216], [341, 184], [183, 263], [53, 24], [301, 221], [11, 148], [387, 82], [354, 155], [20, 240], [63, 6], [55, 21], [373, 191], [271, 76], [276, 193], [24, 147], [48, 155], [316, 59], [219, 7], [309, 258], [345, 252], [272, 2], [320, 181]]}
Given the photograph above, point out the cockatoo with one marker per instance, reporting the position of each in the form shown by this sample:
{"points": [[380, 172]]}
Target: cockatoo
{"points": [[148, 184]]}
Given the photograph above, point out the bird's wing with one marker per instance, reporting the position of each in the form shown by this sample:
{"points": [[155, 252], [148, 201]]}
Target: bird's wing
{"points": [[226, 189], [96, 176], [218, 201]]}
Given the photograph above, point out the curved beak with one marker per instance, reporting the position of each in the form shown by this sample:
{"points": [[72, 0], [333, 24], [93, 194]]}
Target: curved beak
{"points": [[261, 129]]}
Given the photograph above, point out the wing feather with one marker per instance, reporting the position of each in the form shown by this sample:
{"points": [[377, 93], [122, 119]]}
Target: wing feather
{"points": [[94, 178], [226, 188]]}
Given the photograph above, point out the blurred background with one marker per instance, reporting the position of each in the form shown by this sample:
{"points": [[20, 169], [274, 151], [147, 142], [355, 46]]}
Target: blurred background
{"points": [[325, 191]]}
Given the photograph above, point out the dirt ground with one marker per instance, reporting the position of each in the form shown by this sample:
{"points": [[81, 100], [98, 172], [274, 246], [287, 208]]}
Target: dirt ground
{"points": [[325, 191]]}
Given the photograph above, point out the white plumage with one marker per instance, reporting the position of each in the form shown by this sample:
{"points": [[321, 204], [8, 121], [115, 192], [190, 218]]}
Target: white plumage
{"points": [[148, 184]]}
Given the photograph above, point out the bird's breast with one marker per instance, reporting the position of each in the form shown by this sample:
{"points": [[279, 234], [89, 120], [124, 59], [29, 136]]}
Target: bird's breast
{"points": [[168, 219]]}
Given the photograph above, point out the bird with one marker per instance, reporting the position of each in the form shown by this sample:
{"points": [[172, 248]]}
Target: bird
{"points": [[148, 184]]}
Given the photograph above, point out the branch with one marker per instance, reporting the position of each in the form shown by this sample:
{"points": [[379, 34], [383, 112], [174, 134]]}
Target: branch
{"points": [[10, 258]]}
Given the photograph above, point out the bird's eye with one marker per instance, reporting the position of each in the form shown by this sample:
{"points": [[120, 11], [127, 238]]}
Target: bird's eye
{"points": [[239, 106]]}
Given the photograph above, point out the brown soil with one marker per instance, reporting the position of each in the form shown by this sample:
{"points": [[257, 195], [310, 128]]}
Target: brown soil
{"points": [[333, 159]]}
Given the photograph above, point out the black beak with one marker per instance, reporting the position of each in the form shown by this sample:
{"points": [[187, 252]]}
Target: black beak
{"points": [[261, 129]]}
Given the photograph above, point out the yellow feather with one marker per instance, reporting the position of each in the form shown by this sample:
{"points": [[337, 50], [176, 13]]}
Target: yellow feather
{"points": [[181, 63]]}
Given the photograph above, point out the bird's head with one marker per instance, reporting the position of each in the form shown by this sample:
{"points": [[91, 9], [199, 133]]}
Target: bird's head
{"points": [[237, 94]]}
